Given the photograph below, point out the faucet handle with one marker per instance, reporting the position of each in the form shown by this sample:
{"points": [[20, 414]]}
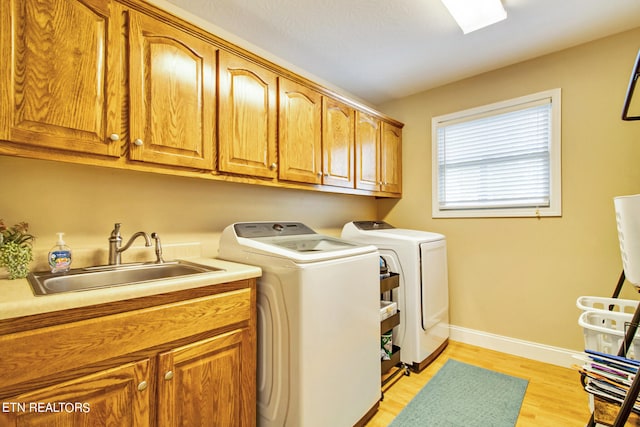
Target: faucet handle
{"points": [[116, 230], [159, 259]]}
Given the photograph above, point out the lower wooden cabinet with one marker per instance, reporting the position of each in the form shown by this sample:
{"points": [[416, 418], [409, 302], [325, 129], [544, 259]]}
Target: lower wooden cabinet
{"points": [[117, 396], [186, 362], [201, 384]]}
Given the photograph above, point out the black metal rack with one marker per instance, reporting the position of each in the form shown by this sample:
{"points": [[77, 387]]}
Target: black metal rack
{"points": [[634, 389], [386, 285], [635, 75]]}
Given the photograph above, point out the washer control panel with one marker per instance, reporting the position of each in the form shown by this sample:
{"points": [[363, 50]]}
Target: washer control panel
{"points": [[372, 225], [254, 230]]}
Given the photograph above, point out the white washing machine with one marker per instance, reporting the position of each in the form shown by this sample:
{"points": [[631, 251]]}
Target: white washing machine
{"points": [[423, 295], [318, 323]]}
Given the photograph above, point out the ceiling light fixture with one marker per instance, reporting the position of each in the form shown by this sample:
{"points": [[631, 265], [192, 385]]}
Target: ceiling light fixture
{"points": [[472, 15]]}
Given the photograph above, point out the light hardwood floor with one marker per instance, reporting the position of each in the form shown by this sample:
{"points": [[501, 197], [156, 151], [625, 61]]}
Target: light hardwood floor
{"points": [[554, 396]]}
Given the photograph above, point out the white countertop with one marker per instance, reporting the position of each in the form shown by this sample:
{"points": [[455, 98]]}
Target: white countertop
{"points": [[17, 298]]}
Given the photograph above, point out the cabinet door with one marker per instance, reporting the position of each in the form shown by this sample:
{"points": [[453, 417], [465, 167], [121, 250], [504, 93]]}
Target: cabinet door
{"points": [[114, 397], [248, 118], [367, 152], [391, 158], [208, 383], [60, 74], [299, 133], [172, 95], [338, 130]]}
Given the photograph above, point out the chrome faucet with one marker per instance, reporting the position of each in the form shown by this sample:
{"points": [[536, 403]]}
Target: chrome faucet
{"points": [[115, 242]]}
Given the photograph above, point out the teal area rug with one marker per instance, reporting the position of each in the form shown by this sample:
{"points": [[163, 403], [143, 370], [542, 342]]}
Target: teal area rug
{"points": [[462, 395]]}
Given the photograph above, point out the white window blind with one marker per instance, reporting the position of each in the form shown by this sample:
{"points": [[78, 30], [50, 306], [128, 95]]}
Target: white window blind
{"points": [[497, 160]]}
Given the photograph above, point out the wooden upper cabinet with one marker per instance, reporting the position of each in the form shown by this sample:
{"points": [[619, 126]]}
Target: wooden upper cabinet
{"points": [[248, 117], [378, 155], [299, 133], [60, 74], [208, 383], [121, 395], [124, 84], [367, 152], [391, 159], [338, 140], [172, 86]]}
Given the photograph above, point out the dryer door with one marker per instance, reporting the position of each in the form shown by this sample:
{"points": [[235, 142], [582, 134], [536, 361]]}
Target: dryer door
{"points": [[435, 289]]}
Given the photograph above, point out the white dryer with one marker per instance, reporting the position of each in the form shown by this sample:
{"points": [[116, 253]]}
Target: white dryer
{"points": [[318, 323], [420, 258]]}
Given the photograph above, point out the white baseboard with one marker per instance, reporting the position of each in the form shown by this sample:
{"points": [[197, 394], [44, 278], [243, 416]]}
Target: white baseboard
{"points": [[531, 350]]}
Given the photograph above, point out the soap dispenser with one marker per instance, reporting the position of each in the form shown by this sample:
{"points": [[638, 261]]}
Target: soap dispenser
{"points": [[60, 256]]}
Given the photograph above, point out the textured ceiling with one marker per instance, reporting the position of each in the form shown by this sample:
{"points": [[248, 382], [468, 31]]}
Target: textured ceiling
{"points": [[379, 50]]}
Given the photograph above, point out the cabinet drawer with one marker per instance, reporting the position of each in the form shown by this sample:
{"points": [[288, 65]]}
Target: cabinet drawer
{"points": [[70, 346]]}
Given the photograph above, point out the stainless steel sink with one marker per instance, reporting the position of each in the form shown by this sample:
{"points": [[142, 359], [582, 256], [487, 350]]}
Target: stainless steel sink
{"points": [[82, 279]]}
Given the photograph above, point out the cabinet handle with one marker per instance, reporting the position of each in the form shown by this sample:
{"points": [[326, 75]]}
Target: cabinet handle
{"points": [[142, 386], [168, 376], [273, 166], [319, 174], [138, 142], [114, 137]]}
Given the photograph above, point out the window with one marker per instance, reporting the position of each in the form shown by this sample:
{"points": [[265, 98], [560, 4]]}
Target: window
{"points": [[499, 160]]}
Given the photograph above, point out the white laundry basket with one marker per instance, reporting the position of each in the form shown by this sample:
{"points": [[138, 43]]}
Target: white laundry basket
{"points": [[628, 221], [616, 305], [604, 331]]}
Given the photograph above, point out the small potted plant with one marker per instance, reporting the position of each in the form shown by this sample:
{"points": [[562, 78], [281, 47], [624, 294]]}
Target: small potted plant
{"points": [[16, 249]]}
